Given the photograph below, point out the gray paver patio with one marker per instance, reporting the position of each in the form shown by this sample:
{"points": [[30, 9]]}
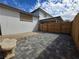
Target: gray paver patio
{"points": [[46, 46]]}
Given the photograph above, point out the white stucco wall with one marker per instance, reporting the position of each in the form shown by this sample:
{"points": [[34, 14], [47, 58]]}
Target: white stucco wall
{"points": [[11, 24]]}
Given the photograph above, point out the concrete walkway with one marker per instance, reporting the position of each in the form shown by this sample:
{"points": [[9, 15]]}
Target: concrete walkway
{"points": [[46, 46]]}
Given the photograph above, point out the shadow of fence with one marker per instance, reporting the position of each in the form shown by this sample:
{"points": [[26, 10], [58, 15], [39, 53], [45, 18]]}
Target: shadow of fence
{"points": [[62, 48]]}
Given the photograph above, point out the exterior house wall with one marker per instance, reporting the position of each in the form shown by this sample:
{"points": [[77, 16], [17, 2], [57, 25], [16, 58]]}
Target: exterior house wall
{"points": [[11, 24], [26, 17], [30, 26], [43, 15], [36, 12], [75, 31]]}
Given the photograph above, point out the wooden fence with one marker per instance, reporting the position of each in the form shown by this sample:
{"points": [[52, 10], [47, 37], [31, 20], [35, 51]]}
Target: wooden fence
{"points": [[75, 31], [63, 27], [57, 27]]}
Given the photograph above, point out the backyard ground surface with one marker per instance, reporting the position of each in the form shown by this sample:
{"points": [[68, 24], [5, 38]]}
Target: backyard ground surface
{"points": [[46, 46]]}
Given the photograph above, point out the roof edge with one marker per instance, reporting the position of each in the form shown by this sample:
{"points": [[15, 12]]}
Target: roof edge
{"points": [[15, 9]]}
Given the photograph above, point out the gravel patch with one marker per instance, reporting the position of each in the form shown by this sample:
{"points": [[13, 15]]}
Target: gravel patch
{"points": [[46, 46]]}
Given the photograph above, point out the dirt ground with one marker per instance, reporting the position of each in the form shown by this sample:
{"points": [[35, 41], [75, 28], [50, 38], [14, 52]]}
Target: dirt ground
{"points": [[18, 35]]}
